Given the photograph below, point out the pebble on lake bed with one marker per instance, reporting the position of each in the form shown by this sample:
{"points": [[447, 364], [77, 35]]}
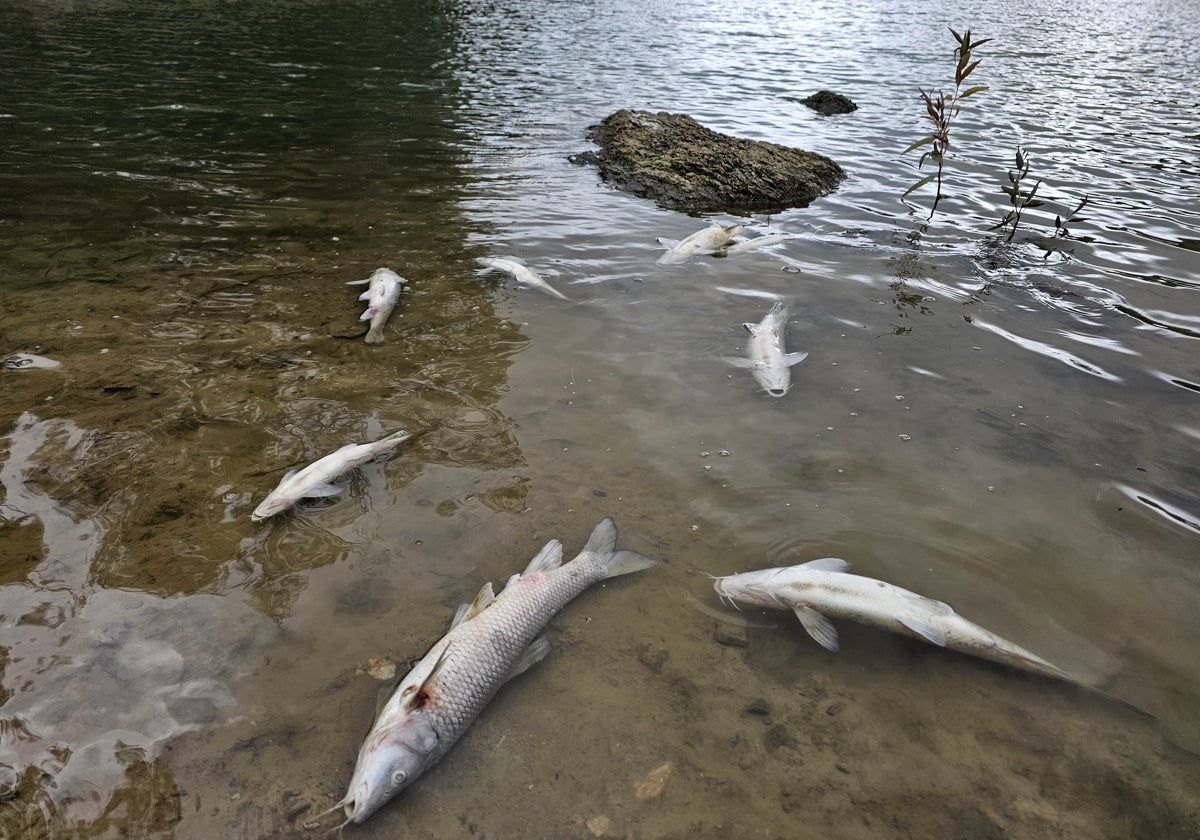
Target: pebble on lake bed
{"points": [[655, 781], [380, 669]]}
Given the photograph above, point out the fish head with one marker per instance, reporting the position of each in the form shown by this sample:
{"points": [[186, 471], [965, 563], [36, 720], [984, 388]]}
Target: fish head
{"points": [[748, 588], [774, 379], [390, 759], [270, 506]]}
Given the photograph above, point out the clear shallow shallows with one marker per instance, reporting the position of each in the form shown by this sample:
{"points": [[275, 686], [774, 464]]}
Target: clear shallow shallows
{"points": [[184, 190]]}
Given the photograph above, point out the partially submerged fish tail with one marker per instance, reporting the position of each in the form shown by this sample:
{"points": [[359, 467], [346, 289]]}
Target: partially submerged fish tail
{"points": [[602, 544], [375, 334]]}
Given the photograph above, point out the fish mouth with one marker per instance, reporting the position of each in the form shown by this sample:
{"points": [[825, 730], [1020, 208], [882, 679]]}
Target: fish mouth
{"points": [[777, 392]]}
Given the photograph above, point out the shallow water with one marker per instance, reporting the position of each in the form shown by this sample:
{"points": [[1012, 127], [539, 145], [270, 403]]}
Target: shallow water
{"points": [[185, 190]]}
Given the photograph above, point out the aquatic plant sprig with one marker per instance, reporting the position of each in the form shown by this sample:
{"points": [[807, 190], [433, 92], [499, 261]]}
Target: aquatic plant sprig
{"points": [[941, 111], [1021, 200], [1060, 225]]}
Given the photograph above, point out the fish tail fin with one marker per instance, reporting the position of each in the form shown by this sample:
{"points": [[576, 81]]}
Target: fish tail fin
{"points": [[603, 543], [375, 335]]}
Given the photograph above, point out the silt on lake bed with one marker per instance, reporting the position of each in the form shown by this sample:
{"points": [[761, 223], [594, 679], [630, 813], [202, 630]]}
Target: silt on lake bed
{"points": [[187, 191]]}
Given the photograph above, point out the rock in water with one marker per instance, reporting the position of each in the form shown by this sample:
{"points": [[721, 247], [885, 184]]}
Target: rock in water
{"points": [[829, 103], [682, 165]]}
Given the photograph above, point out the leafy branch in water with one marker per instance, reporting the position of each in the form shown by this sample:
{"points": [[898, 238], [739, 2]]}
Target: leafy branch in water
{"points": [[941, 111], [1060, 224], [1020, 200]]}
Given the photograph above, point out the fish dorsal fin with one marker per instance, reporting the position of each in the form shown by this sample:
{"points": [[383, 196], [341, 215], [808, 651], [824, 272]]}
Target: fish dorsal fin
{"points": [[749, 327], [732, 229], [818, 626], [322, 491], [923, 628], [790, 359], [482, 601], [550, 557], [533, 654], [826, 564], [288, 475]]}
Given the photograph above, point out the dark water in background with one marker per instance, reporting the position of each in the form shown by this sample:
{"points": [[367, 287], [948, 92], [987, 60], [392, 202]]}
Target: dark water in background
{"points": [[184, 190]]}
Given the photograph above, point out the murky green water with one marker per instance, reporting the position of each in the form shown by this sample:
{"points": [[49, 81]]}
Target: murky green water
{"points": [[184, 191]]}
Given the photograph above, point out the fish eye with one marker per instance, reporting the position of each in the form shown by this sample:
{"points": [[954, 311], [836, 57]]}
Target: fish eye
{"points": [[399, 777]]}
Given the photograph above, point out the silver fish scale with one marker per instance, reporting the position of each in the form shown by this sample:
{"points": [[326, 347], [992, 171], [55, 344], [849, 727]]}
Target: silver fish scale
{"points": [[483, 650]]}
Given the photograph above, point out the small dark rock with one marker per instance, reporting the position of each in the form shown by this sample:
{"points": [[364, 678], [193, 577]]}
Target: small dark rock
{"points": [[730, 638], [758, 706], [835, 709], [829, 103], [651, 658], [777, 736], [675, 161]]}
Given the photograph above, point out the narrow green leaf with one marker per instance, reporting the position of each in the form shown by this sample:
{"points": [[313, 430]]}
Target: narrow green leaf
{"points": [[1034, 203], [918, 144], [971, 91], [920, 183], [970, 69]]}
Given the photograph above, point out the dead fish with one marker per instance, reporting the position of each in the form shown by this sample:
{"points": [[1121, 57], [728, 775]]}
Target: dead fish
{"points": [[767, 240], [381, 297], [706, 241], [314, 480], [769, 365], [522, 273], [489, 642], [824, 587]]}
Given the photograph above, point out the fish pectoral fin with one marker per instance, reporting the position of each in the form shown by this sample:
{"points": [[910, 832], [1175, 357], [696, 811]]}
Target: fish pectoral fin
{"points": [[827, 564], [738, 361], [818, 626], [365, 295], [322, 491], [923, 629], [535, 653], [358, 283], [668, 243], [790, 359], [550, 557]]}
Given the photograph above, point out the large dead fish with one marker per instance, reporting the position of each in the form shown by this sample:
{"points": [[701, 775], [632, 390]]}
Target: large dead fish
{"points": [[489, 642], [522, 273], [706, 241], [767, 240], [768, 364], [316, 479], [823, 587], [381, 297]]}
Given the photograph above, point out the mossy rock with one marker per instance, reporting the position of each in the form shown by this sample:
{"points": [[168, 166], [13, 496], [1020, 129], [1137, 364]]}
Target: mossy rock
{"points": [[680, 164]]}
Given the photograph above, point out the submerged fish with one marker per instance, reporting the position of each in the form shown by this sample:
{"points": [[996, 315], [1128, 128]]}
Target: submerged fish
{"points": [[824, 587], [770, 366], [381, 297], [523, 273], [706, 241], [489, 642], [767, 240], [314, 480]]}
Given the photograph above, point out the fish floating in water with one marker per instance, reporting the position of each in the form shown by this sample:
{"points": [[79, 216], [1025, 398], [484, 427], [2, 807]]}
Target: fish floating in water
{"points": [[706, 241], [381, 297], [315, 479], [489, 642], [770, 366], [767, 240], [824, 587], [522, 273]]}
